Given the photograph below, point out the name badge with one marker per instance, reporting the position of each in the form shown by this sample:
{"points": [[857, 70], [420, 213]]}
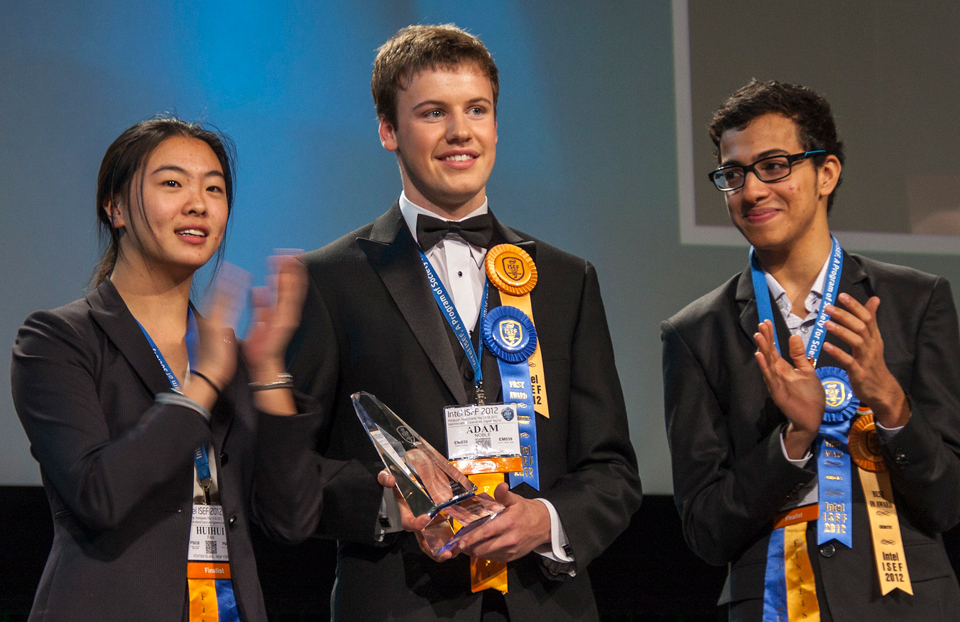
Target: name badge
{"points": [[486, 431], [208, 535]]}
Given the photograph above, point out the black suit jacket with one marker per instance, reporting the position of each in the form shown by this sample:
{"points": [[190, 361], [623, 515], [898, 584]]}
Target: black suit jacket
{"points": [[370, 323], [730, 474], [118, 467]]}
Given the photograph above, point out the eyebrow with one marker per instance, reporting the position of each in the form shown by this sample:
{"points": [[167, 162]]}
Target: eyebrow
{"points": [[176, 169], [442, 104], [765, 154]]}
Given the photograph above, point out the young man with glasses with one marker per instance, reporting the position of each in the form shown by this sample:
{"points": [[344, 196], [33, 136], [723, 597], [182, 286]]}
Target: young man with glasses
{"points": [[823, 475]]}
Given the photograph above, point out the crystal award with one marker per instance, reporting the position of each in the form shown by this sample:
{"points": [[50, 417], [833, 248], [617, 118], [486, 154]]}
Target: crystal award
{"points": [[425, 479]]}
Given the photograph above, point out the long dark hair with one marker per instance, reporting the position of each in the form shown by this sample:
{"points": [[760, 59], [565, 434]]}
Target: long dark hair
{"points": [[127, 155]]}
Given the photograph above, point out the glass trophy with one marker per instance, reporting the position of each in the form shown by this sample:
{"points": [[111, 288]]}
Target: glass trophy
{"points": [[425, 479]]}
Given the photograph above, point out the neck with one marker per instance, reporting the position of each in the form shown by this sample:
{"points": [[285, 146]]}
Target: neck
{"points": [[158, 300], [796, 268]]}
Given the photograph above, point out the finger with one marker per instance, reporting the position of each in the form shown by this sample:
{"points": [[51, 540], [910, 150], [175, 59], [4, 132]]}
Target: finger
{"points": [[504, 497], [385, 479], [798, 353], [232, 285], [854, 340], [843, 358], [854, 307], [872, 305], [846, 318]]}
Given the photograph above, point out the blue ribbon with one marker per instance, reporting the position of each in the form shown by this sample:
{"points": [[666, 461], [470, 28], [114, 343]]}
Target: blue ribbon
{"points": [[510, 335], [775, 580], [833, 454], [833, 458], [453, 318]]}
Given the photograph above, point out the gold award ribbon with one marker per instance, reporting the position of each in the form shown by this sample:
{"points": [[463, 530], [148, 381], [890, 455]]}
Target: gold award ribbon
{"points": [[802, 601], [887, 543], [512, 271]]}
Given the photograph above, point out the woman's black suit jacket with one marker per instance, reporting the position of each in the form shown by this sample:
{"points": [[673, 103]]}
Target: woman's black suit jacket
{"points": [[118, 470]]}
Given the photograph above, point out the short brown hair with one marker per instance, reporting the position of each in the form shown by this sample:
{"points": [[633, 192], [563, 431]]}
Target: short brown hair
{"points": [[416, 48]]}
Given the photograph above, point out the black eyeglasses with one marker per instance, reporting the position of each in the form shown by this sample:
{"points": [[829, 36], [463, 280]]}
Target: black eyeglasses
{"points": [[767, 170]]}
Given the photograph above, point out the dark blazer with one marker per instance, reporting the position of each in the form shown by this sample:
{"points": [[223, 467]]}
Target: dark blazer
{"points": [[370, 323], [731, 477], [118, 467]]}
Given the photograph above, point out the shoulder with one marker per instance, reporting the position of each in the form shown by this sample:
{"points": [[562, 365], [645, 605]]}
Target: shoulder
{"points": [[710, 310], [901, 280], [69, 321], [343, 250]]}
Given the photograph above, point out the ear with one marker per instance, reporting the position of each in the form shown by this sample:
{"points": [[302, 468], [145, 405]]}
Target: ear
{"points": [[114, 212], [388, 134], [828, 175]]}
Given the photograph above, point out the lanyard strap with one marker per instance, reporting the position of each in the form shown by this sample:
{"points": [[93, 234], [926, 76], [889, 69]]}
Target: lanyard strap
{"points": [[200, 458], [453, 318], [831, 284]]}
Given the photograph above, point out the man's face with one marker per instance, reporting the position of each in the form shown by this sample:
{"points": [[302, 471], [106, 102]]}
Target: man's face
{"points": [[781, 214], [445, 139]]}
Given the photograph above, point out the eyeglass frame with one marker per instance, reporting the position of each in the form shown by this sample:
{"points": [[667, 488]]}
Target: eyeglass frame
{"points": [[750, 168]]}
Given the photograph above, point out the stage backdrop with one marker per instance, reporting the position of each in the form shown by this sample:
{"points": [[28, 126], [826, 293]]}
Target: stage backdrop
{"points": [[591, 94]]}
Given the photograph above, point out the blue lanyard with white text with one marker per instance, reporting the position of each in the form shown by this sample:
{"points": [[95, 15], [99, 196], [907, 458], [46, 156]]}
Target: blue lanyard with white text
{"points": [[453, 318], [200, 457], [830, 286]]}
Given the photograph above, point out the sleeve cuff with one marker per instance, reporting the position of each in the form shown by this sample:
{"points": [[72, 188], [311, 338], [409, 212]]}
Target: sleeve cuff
{"points": [[800, 462], [558, 550], [887, 434], [177, 399], [388, 518]]}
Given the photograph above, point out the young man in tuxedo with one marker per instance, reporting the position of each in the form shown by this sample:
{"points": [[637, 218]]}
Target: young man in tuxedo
{"points": [[371, 323], [777, 472]]}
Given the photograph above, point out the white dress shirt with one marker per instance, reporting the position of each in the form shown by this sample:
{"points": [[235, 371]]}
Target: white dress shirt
{"points": [[460, 267]]}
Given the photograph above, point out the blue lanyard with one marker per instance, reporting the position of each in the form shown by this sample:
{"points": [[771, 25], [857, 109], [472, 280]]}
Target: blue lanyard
{"points": [[200, 457], [453, 318], [830, 287]]}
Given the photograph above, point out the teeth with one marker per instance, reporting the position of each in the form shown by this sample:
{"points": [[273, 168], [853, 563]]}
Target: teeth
{"points": [[192, 232], [459, 158]]}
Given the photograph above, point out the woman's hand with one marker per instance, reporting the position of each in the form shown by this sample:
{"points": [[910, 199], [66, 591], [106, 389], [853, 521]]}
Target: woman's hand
{"points": [[276, 315], [217, 354]]}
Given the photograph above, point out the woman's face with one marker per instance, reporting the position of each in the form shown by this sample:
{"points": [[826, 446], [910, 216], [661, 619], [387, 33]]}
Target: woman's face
{"points": [[184, 203]]}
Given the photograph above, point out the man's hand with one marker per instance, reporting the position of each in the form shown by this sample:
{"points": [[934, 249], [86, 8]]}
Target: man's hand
{"points": [[796, 390], [409, 522], [870, 378], [522, 527]]}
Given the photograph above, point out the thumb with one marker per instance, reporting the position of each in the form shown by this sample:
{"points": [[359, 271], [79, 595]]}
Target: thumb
{"points": [[798, 353], [503, 495]]}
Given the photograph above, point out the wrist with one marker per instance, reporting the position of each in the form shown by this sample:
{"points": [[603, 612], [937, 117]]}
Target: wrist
{"points": [[797, 442], [267, 372], [892, 412]]}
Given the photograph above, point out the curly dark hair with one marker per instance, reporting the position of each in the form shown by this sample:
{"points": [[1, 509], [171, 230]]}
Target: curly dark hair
{"points": [[816, 127]]}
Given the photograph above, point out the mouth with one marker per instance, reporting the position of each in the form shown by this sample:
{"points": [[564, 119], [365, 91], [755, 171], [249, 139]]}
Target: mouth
{"points": [[458, 157], [192, 234], [760, 214]]}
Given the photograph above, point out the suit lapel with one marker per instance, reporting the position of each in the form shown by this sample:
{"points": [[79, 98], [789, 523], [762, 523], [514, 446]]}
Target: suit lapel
{"points": [[392, 253], [110, 313], [750, 317]]}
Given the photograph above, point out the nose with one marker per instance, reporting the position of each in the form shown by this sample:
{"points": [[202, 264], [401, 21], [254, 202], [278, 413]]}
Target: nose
{"points": [[458, 129], [754, 189], [196, 202]]}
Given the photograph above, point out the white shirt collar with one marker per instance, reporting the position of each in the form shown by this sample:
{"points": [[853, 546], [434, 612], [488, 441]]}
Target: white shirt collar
{"points": [[816, 292], [411, 210]]}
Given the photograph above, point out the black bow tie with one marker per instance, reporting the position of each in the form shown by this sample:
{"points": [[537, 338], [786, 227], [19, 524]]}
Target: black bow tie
{"points": [[477, 230]]}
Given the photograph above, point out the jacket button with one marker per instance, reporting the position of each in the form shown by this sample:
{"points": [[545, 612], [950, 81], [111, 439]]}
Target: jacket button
{"points": [[233, 521], [827, 550], [901, 458], [224, 458], [468, 374]]}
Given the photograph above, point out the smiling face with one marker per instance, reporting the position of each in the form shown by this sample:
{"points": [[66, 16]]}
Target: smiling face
{"points": [[785, 215], [445, 139], [181, 221]]}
